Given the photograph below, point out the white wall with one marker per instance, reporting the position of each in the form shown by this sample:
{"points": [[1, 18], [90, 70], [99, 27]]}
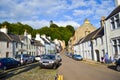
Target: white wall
{"points": [[4, 49]]}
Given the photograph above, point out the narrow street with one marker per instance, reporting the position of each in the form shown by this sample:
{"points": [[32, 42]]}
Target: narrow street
{"points": [[79, 70]]}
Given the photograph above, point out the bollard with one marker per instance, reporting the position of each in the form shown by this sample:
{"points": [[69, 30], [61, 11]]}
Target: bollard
{"points": [[60, 77]]}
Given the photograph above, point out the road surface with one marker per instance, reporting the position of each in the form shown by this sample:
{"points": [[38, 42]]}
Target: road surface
{"points": [[80, 70]]}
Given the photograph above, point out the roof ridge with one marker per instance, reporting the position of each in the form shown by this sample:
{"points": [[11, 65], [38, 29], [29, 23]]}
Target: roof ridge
{"points": [[8, 36], [97, 32]]}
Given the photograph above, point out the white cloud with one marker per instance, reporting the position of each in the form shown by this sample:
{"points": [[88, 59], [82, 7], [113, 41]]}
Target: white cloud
{"points": [[37, 24], [77, 3], [37, 13], [64, 23], [68, 17], [82, 12]]}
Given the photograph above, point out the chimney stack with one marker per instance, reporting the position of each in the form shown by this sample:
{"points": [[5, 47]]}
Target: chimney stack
{"points": [[102, 21], [4, 29], [117, 2]]}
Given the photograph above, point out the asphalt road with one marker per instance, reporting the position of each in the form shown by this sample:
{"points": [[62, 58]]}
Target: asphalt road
{"points": [[80, 70]]}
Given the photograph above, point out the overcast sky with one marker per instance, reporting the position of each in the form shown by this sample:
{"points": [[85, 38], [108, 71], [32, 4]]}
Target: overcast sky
{"points": [[38, 13]]}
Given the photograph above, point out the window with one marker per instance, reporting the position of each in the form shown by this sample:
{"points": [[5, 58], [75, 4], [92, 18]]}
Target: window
{"points": [[16, 45], [7, 44], [21, 45], [113, 25], [96, 42], [114, 42], [116, 46], [7, 54], [118, 41], [115, 22], [101, 41]]}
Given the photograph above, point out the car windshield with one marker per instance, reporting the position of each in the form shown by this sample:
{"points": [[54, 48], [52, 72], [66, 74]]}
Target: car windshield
{"points": [[48, 57], [77, 56]]}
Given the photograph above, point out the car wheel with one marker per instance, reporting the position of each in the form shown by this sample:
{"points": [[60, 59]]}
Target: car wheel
{"points": [[40, 67], [118, 67], [4, 68], [54, 66], [18, 65]]}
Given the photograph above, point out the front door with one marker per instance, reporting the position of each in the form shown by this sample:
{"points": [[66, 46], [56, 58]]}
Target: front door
{"points": [[97, 55], [7, 54]]}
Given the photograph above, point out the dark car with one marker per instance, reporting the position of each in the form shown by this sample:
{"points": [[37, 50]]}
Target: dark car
{"points": [[6, 63], [77, 57], [24, 58], [50, 61], [70, 55], [118, 65]]}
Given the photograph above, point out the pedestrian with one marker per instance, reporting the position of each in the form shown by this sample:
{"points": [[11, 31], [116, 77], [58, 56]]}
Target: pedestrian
{"points": [[106, 58], [102, 59]]}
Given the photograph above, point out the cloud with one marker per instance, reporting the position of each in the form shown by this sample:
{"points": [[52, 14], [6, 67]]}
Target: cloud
{"points": [[64, 23], [38, 13], [68, 17], [37, 24], [82, 12]]}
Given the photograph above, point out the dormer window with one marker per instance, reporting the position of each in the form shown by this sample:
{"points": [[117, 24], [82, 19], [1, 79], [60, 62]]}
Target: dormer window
{"points": [[115, 22], [112, 23]]}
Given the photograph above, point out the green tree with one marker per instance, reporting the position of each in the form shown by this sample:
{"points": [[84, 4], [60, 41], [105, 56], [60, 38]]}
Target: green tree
{"points": [[53, 25], [71, 28], [54, 31]]}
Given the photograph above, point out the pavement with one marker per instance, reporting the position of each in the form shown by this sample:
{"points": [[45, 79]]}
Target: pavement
{"points": [[96, 63]]}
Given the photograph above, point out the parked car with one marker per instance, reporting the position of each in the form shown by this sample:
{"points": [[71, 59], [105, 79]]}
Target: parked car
{"points": [[70, 55], [6, 63], [118, 65], [24, 58], [77, 57], [50, 61], [32, 59], [37, 58]]}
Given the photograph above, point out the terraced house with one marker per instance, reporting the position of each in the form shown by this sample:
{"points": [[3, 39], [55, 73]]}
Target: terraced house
{"points": [[11, 44], [104, 40], [112, 29], [81, 32]]}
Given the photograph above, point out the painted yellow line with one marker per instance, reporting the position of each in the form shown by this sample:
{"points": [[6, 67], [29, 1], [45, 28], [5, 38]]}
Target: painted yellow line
{"points": [[60, 77]]}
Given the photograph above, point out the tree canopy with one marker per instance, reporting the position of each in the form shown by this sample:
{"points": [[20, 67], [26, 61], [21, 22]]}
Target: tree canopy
{"points": [[54, 31]]}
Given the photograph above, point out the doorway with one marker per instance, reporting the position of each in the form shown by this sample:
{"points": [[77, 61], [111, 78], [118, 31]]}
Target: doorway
{"points": [[7, 54], [97, 55]]}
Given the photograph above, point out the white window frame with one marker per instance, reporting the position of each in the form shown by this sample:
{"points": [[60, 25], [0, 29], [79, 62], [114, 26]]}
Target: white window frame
{"points": [[117, 44], [113, 20]]}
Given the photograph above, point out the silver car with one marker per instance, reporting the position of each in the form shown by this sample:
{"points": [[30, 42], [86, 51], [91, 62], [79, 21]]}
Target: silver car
{"points": [[50, 61]]}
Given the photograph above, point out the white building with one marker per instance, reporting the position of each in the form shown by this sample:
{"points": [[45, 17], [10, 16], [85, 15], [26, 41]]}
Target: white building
{"points": [[9, 43], [27, 47], [112, 29]]}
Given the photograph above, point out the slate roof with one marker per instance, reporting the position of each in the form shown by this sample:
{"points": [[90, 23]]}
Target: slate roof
{"points": [[38, 43], [4, 37], [79, 41], [45, 40], [22, 37], [49, 40], [95, 34], [115, 11], [100, 33], [9, 37], [14, 37]]}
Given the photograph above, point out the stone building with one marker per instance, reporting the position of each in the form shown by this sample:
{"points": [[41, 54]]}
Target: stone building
{"points": [[81, 32]]}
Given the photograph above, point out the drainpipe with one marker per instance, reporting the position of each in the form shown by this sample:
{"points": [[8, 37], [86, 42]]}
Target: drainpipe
{"points": [[105, 33], [92, 51]]}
